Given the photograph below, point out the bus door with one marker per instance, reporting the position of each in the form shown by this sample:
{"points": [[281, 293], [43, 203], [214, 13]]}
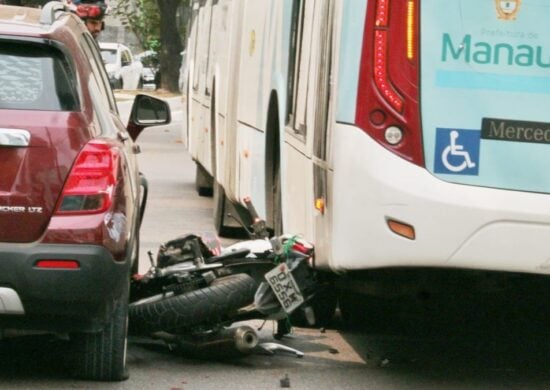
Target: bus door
{"points": [[307, 120]]}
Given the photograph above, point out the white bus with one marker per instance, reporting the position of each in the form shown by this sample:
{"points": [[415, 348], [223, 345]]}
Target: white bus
{"points": [[394, 134]]}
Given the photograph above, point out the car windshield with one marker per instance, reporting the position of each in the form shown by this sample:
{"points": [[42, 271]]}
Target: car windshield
{"points": [[108, 55], [28, 75]]}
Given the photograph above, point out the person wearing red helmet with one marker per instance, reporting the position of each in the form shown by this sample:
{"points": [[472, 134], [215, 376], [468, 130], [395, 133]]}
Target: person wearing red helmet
{"points": [[92, 13]]}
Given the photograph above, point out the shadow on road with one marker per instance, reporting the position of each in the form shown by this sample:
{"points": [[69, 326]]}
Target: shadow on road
{"points": [[463, 336]]}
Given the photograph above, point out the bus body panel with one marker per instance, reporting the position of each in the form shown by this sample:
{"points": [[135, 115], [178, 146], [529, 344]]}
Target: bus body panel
{"points": [[221, 92], [485, 79], [199, 101]]}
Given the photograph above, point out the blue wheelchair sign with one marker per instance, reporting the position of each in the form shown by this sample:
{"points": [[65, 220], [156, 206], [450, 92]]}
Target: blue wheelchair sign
{"points": [[457, 151]]}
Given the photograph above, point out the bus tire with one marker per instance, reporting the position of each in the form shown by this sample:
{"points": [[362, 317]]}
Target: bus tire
{"points": [[220, 215], [209, 305], [277, 204], [324, 308], [219, 210], [203, 181]]}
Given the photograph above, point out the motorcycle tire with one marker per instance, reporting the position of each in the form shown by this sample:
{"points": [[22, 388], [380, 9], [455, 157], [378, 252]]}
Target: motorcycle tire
{"points": [[206, 306]]}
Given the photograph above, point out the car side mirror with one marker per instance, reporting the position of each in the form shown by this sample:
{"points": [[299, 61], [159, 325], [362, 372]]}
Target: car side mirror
{"points": [[147, 111]]}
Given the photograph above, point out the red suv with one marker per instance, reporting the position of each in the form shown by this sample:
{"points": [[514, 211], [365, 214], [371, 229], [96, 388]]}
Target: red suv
{"points": [[70, 191]]}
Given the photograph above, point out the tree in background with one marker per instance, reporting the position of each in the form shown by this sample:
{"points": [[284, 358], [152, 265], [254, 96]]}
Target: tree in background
{"points": [[142, 17], [171, 45], [155, 24]]}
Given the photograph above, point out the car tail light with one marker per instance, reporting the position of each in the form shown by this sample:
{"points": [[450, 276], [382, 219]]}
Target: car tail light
{"points": [[57, 264], [90, 185], [388, 93]]}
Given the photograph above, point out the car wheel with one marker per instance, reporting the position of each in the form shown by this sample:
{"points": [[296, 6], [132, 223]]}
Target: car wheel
{"points": [[101, 356]]}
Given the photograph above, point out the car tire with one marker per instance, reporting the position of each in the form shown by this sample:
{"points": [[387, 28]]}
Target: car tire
{"points": [[210, 305], [101, 356]]}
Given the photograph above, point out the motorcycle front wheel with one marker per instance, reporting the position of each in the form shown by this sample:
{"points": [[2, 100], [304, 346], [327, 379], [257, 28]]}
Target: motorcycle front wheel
{"points": [[206, 306]]}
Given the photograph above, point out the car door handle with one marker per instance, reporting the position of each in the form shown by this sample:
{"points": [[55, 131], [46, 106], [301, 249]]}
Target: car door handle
{"points": [[15, 137]]}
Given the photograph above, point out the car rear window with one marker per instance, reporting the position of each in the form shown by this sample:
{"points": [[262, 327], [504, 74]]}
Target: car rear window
{"points": [[36, 77]]}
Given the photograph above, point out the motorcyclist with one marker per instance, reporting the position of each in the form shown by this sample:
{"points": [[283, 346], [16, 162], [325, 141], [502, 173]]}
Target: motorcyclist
{"points": [[92, 13]]}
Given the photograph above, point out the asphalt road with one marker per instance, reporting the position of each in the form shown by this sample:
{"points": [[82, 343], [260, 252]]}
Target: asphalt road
{"points": [[459, 351]]}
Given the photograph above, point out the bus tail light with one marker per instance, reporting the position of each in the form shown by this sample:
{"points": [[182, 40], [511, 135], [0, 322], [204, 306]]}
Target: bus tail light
{"points": [[393, 135], [382, 13], [388, 93], [381, 71], [411, 46]]}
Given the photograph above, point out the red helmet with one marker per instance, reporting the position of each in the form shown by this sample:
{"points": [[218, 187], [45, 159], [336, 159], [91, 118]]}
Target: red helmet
{"points": [[95, 10]]}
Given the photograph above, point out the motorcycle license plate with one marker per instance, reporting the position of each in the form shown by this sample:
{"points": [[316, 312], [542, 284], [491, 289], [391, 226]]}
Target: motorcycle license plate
{"points": [[285, 288]]}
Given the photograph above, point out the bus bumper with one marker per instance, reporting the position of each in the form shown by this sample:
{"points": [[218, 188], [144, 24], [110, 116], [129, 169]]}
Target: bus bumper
{"points": [[456, 225]]}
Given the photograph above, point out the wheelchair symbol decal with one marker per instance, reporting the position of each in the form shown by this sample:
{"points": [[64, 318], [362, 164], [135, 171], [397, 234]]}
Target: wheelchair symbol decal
{"points": [[457, 151]]}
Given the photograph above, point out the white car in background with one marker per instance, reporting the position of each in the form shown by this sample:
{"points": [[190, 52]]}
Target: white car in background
{"points": [[125, 72], [150, 61]]}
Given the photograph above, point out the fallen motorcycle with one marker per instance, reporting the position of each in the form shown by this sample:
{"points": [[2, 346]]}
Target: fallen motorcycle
{"points": [[195, 289]]}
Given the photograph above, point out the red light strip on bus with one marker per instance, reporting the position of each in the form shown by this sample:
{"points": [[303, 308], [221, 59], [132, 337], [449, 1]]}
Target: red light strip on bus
{"points": [[382, 13], [380, 70]]}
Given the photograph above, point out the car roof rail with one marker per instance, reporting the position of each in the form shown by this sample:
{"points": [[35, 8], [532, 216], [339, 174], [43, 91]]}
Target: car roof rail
{"points": [[51, 11]]}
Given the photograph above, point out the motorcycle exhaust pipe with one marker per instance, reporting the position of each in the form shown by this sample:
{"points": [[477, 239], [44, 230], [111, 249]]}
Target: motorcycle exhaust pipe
{"points": [[228, 342], [245, 338]]}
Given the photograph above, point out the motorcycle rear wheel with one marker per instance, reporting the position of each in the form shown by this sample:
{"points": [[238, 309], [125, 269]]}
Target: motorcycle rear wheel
{"points": [[206, 306]]}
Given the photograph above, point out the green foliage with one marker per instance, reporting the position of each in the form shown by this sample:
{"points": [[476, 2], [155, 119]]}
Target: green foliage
{"points": [[158, 25], [142, 17]]}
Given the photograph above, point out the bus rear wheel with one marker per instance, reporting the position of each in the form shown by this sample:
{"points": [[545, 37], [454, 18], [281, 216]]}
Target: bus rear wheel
{"points": [[203, 181]]}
